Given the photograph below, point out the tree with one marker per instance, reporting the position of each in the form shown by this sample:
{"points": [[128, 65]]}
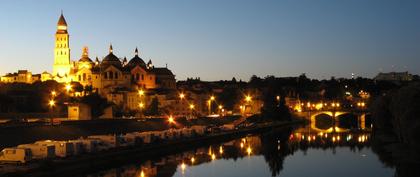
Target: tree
{"points": [[96, 103], [274, 109], [153, 107]]}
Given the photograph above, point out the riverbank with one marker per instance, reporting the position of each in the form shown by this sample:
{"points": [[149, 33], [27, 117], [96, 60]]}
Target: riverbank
{"points": [[11, 136], [86, 163]]}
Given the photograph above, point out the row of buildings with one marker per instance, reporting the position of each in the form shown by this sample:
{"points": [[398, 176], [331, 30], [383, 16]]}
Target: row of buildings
{"points": [[117, 79]]}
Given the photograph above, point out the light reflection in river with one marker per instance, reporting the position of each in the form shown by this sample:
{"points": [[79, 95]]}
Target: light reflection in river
{"points": [[302, 152]]}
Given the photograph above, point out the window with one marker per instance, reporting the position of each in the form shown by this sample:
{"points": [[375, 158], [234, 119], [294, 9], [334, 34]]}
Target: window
{"points": [[116, 75], [137, 77], [142, 77], [80, 78], [84, 76], [111, 75], [106, 75]]}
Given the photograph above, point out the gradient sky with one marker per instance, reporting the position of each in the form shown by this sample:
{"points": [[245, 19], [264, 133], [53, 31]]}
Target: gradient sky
{"points": [[221, 39]]}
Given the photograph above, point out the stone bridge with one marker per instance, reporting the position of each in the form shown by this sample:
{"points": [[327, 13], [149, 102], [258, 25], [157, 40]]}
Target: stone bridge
{"points": [[334, 115]]}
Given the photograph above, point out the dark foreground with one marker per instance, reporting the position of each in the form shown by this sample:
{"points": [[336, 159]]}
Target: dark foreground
{"points": [[83, 164]]}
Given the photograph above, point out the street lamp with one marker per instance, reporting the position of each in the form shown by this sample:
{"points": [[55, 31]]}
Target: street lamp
{"points": [[171, 119], [68, 87], [181, 96], [51, 103], [53, 93], [248, 98], [212, 98], [192, 106], [141, 104], [141, 92]]}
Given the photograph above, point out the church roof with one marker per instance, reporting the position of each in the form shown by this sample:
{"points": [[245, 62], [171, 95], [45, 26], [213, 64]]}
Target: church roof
{"points": [[62, 21], [162, 71], [136, 61], [111, 59], [85, 56]]}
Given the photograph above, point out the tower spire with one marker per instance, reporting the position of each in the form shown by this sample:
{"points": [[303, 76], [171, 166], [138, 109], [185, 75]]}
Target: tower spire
{"points": [[110, 48], [85, 51], [136, 52]]}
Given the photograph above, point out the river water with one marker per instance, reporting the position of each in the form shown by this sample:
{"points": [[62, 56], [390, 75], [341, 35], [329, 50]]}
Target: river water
{"points": [[285, 152]]}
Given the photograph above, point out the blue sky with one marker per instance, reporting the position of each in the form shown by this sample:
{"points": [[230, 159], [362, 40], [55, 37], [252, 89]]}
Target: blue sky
{"points": [[221, 39]]}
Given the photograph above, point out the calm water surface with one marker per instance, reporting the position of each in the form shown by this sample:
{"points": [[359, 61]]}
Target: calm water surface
{"points": [[294, 152]]}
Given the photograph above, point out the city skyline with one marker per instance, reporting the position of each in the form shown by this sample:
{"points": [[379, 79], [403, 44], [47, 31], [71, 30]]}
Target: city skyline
{"points": [[210, 41]]}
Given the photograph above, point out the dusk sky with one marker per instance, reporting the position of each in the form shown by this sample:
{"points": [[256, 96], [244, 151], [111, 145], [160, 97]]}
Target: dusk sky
{"points": [[221, 39]]}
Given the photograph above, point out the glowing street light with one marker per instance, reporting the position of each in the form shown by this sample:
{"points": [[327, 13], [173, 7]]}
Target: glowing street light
{"points": [[183, 166], [249, 150], [212, 98], [141, 105], [192, 106], [53, 93], [213, 157], [171, 119], [141, 92], [68, 87], [51, 103], [181, 96], [192, 160], [248, 98]]}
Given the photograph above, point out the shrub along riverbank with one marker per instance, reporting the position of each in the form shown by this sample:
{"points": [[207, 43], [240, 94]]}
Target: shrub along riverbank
{"points": [[396, 129]]}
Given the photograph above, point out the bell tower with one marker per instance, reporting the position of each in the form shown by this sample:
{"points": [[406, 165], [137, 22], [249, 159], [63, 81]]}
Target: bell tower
{"points": [[62, 65]]}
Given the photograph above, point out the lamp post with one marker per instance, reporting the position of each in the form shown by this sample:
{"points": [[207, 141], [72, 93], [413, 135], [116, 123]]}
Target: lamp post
{"points": [[171, 121], [53, 94], [51, 104], [248, 100], [181, 97], [141, 106], [192, 106], [212, 98], [141, 103], [68, 87]]}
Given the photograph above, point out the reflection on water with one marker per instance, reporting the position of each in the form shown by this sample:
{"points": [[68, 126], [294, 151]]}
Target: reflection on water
{"points": [[298, 152]]}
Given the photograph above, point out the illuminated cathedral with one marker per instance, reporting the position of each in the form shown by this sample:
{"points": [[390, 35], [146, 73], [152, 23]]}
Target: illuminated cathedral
{"points": [[107, 74]]}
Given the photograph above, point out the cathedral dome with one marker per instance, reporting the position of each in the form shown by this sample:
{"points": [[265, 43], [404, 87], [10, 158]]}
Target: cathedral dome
{"points": [[85, 56], [136, 61], [111, 59]]}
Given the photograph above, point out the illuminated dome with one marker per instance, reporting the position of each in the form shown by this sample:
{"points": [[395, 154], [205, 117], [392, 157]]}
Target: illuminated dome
{"points": [[85, 56], [111, 59], [136, 61]]}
